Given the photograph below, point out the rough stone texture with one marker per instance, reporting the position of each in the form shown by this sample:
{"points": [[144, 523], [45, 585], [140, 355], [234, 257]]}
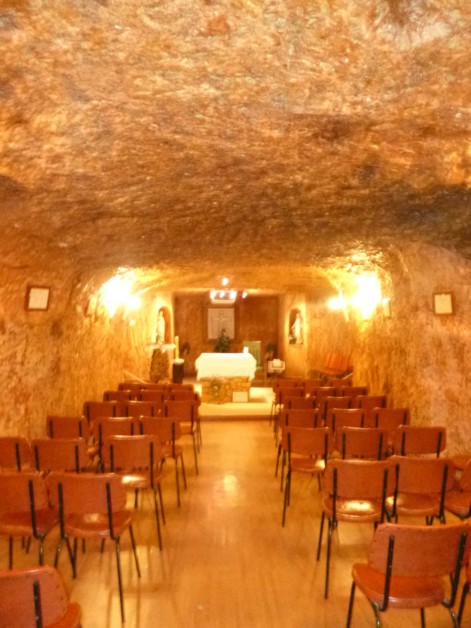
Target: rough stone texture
{"points": [[288, 144], [156, 133], [221, 389]]}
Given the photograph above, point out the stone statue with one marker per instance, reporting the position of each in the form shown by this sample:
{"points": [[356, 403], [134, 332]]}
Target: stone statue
{"points": [[160, 337]]}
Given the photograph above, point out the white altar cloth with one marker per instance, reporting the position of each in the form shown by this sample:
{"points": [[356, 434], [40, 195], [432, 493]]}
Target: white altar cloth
{"points": [[225, 365]]}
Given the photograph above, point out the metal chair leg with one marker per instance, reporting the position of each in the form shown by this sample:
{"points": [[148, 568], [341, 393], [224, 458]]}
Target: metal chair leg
{"points": [[350, 605], [321, 532]]}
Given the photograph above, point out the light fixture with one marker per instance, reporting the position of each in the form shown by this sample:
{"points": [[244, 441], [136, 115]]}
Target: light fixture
{"points": [[223, 297]]}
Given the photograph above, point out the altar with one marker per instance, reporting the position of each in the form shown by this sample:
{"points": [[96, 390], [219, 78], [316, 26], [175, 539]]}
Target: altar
{"points": [[225, 377]]}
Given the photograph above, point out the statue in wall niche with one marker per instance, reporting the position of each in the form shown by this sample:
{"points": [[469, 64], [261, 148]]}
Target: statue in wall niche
{"points": [[160, 335], [296, 331]]}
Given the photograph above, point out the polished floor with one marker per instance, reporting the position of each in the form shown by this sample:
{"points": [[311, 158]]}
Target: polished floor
{"points": [[227, 562]]}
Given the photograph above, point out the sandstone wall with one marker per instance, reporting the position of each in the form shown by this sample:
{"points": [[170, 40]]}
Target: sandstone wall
{"points": [[54, 360], [417, 358]]}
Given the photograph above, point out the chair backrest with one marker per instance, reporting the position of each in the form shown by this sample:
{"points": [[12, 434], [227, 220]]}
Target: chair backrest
{"points": [[17, 491], [362, 442], [465, 478], [117, 395], [370, 402], [153, 386], [300, 418], [96, 409], [329, 404], [67, 427], [339, 382], [311, 384], [155, 396], [353, 391], [122, 426], [182, 410], [288, 382], [306, 441], [18, 588], [415, 440], [391, 418], [359, 479], [86, 493], [126, 453], [419, 551], [324, 391], [300, 403], [132, 386], [140, 408], [60, 454], [285, 393], [166, 428], [345, 417], [423, 475], [15, 453]]}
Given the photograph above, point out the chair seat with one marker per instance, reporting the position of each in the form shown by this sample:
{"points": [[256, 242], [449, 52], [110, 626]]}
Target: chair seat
{"points": [[405, 592], [308, 465], [72, 618], [169, 450], [96, 524], [19, 524], [187, 428], [459, 503], [139, 479], [353, 510], [415, 505]]}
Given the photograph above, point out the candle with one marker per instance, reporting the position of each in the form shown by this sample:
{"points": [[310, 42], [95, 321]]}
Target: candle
{"points": [[177, 347]]}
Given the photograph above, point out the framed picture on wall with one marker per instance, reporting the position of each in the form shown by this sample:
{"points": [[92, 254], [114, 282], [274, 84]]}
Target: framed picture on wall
{"points": [[221, 318], [443, 303], [37, 297]]}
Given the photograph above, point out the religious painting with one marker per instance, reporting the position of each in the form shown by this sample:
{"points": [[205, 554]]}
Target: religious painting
{"points": [[221, 318]]}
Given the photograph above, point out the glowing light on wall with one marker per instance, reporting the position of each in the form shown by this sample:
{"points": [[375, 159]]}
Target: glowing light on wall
{"points": [[337, 303], [116, 292], [368, 295]]}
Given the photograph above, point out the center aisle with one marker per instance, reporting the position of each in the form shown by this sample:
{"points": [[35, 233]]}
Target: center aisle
{"points": [[227, 562]]}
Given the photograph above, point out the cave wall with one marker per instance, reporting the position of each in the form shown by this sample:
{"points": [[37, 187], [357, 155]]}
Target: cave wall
{"points": [[53, 360], [417, 358]]}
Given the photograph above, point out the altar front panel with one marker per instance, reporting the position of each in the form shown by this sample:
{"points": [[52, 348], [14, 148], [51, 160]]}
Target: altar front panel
{"points": [[225, 365]]}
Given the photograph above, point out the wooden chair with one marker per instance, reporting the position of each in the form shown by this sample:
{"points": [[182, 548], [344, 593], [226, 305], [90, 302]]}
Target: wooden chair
{"points": [[112, 426], [421, 485], [92, 506], [369, 403], [369, 443], [186, 413], [283, 396], [331, 404], [122, 396], [144, 408], [169, 431], [61, 454], [465, 592], [155, 396], [324, 391], [348, 483], [301, 403], [416, 440], [67, 427], [410, 567], [15, 453], [35, 597], [458, 502], [306, 452], [307, 418], [133, 387], [339, 418], [24, 509], [311, 384], [137, 460], [93, 410], [390, 419], [353, 391]]}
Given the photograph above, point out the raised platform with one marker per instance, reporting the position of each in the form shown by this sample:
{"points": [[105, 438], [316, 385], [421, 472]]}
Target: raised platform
{"points": [[256, 409]]}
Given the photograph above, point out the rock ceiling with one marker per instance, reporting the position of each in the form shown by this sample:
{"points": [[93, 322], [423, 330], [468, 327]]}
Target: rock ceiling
{"points": [[270, 139]]}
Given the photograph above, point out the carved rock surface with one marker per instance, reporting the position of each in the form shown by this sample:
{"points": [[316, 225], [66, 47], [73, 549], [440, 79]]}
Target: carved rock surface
{"points": [[176, 136]]}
